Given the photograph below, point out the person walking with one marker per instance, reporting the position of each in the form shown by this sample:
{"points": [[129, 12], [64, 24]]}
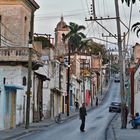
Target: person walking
{"points": [[76, 105], [96, 101], [82, 113]]}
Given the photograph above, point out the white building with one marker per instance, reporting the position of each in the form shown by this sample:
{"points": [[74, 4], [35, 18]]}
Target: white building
{"points": [[15, 21]]}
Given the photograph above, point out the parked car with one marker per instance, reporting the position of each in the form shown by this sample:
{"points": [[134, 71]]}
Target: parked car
{"points": [[117, 78], [115, 107]]}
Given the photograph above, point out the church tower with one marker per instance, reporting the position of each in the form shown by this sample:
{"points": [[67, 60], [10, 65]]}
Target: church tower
{"points": [[60, 29]]}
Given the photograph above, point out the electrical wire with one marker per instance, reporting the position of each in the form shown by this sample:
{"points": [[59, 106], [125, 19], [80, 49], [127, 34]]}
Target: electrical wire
{"points": [[130, 18], [37, 18], [85, 11], [1, 24], [9, 42]]}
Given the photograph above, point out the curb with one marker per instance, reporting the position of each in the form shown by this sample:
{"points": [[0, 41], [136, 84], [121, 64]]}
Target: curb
{"points": [[73, 116], [15, 136], [37, 128]]}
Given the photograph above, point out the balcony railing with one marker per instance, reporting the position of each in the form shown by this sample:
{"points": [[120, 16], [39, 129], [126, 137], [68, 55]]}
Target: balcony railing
{"points": [[18, 54]]}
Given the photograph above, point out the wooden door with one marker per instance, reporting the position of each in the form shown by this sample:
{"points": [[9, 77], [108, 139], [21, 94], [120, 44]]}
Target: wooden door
{"points": [[13, 112]]}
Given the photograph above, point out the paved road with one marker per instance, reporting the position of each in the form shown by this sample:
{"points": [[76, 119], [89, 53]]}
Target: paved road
{"points": [[97, 121]]}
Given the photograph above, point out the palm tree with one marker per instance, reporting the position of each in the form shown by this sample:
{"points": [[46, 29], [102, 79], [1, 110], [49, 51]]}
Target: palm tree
{"points": [[129, 1], [74, 36], [136, 28]]}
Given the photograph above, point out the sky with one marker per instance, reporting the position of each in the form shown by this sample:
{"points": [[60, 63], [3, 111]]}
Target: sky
{"points": [[50, 12]]}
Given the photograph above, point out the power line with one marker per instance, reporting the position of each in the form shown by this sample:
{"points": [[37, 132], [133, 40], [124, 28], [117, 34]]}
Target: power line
{"points": [[17, 35], [57, 16], [129, 23]]}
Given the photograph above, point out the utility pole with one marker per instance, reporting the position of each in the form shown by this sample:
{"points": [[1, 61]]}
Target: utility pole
{"points": [[84, 98], [93, 8], [101, 73], [124, 54], [68, 82], [83, 67], [91, 89], [29, 73], [91, 84], [122, 92]]}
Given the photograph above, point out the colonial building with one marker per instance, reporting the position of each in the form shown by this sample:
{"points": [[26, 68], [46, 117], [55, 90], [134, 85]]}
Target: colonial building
{"points": [[134, 69], [60, 91], [61, 28], [16, 21], [136, 52]]}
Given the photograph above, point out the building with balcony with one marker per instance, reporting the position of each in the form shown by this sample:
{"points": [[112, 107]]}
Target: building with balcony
{"points": [[16, 20]]}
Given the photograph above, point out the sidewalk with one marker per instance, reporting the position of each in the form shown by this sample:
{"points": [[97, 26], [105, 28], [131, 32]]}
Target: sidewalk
{"points": [[10, 134], [21, 131], [123, 134]]}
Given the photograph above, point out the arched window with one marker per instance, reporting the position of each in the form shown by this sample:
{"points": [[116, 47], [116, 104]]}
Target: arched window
{"points": [[24, 81]]}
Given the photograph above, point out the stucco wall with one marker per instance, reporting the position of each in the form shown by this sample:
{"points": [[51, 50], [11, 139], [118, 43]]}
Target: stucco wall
{"points": [[14, 75], [136, 52], [15, 23]]}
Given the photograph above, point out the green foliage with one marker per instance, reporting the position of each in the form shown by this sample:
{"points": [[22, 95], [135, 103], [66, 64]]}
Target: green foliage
{"points": [[136, 28], [129, 1], [45, 41], [95, 49], [74, 36], [75, 42]]}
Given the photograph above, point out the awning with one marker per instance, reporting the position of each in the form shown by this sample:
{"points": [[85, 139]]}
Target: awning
{"points": [[56, 90], [13, 86], [43, 77]]}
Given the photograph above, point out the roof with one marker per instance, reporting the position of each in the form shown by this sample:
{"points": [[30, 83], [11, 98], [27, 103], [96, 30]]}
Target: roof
{"points": [[62, 25], [33, 4], [56, 90], [43, 77]]}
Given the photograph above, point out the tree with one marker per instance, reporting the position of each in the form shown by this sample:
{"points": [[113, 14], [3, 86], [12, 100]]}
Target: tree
{"points": [[129, 1], [74, 36], [135, 26], [94, 48]]}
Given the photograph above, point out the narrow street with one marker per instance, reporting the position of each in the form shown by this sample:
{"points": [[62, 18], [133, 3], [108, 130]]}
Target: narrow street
{"points": [[96, 123], [56, 56]]}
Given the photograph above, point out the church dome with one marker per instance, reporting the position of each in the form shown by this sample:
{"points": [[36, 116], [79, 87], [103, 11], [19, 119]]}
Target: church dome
{"points": [[61, 25]]}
